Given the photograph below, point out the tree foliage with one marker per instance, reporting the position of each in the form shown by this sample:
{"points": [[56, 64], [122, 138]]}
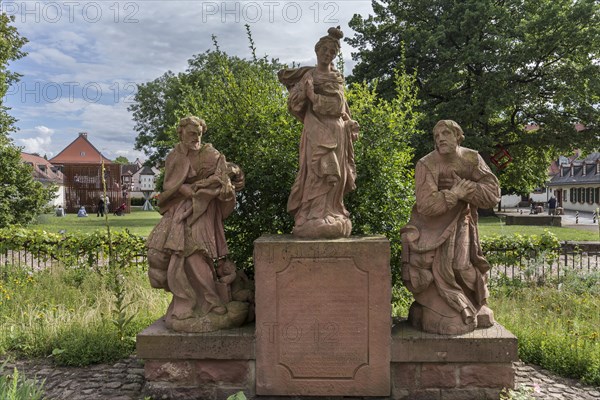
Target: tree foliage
{"points": [[122, 160], [10, 50], [494, 66], [529, 171], [21, 198], [245, 108], [384, 196]]}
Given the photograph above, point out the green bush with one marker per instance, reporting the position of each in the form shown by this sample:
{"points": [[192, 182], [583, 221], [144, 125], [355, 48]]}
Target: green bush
{"points": [[74, 250], [384, 195], [137, 201], [520, 250], [401, 301], [245, 108]]}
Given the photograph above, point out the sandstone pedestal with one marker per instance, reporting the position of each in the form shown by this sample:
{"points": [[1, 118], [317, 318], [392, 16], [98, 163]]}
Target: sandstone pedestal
{"points": [[212, 366], [322, 316], [474, 365], [324, 329]]}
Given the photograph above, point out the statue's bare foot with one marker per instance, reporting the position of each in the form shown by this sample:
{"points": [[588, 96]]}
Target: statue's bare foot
{"points": [[184, 315], [220, 310]]}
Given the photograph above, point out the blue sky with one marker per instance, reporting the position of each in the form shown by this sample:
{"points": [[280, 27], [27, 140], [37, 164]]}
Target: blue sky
{"points": [[86, 57]]}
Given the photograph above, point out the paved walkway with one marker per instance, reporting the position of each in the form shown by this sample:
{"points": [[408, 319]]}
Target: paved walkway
{"points": [[124, 380]]}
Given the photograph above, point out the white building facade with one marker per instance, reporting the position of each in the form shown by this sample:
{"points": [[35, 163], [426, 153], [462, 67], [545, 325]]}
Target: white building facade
{"points": [[577, 185]]}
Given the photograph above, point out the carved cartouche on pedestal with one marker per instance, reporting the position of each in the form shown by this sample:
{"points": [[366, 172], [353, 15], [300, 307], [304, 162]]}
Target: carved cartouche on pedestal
{"points": [[187, 250], [442, 262]]}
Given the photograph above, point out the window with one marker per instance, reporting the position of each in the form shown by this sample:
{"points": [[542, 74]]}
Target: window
{"points": [[597, 195], [82, 153], [581, 195], [573, 195], [565, 194], [589, 195]]}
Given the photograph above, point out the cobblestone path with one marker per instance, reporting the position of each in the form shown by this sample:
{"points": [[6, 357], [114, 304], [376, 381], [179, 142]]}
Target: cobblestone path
{"points": [[124, 380]]}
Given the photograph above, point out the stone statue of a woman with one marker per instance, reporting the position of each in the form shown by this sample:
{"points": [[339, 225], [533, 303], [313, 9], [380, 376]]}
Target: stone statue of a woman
{"points": [[326, 166]]}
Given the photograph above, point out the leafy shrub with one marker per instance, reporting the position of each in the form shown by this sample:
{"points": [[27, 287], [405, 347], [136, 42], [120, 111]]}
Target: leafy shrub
{"points": [[137, 201], [74, 250], [384, 195], [520, 250], [401, 300]]}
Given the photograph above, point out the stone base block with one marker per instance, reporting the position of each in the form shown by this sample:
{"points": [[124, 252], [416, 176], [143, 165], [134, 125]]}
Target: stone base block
{"points": [[476, 365], [538, 220], [322, 316], [185, 366], [420, 365]]}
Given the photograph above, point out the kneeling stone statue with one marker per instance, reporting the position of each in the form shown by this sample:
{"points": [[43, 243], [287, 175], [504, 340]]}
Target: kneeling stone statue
{"points": [[442, 262]]}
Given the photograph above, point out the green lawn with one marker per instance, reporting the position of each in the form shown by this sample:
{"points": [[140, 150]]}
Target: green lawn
{"points": [[495, 226], [141, 223], [137, 222]]}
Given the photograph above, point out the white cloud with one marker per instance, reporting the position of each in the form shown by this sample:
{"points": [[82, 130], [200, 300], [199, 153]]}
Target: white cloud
{"points": [[40, 143], [52, 57], [44, 130]]}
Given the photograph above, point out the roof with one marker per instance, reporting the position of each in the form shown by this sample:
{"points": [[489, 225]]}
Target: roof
{"points": [[80, 151], [129, 169], [43, 170], [589, 165], [147, 171]]}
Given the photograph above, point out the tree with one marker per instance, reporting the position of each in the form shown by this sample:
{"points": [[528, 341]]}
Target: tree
{"points": [[245, 108], [21, 198], [494, 66], [10, 50], [384, 194], [121, 160]]}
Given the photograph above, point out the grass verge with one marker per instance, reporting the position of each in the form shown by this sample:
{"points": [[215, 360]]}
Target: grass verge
{"points": [[67, 314], [557, 325]]}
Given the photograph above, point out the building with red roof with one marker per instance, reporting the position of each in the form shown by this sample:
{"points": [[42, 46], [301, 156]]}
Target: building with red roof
{"points": [[45, 172], [81, 165]]}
